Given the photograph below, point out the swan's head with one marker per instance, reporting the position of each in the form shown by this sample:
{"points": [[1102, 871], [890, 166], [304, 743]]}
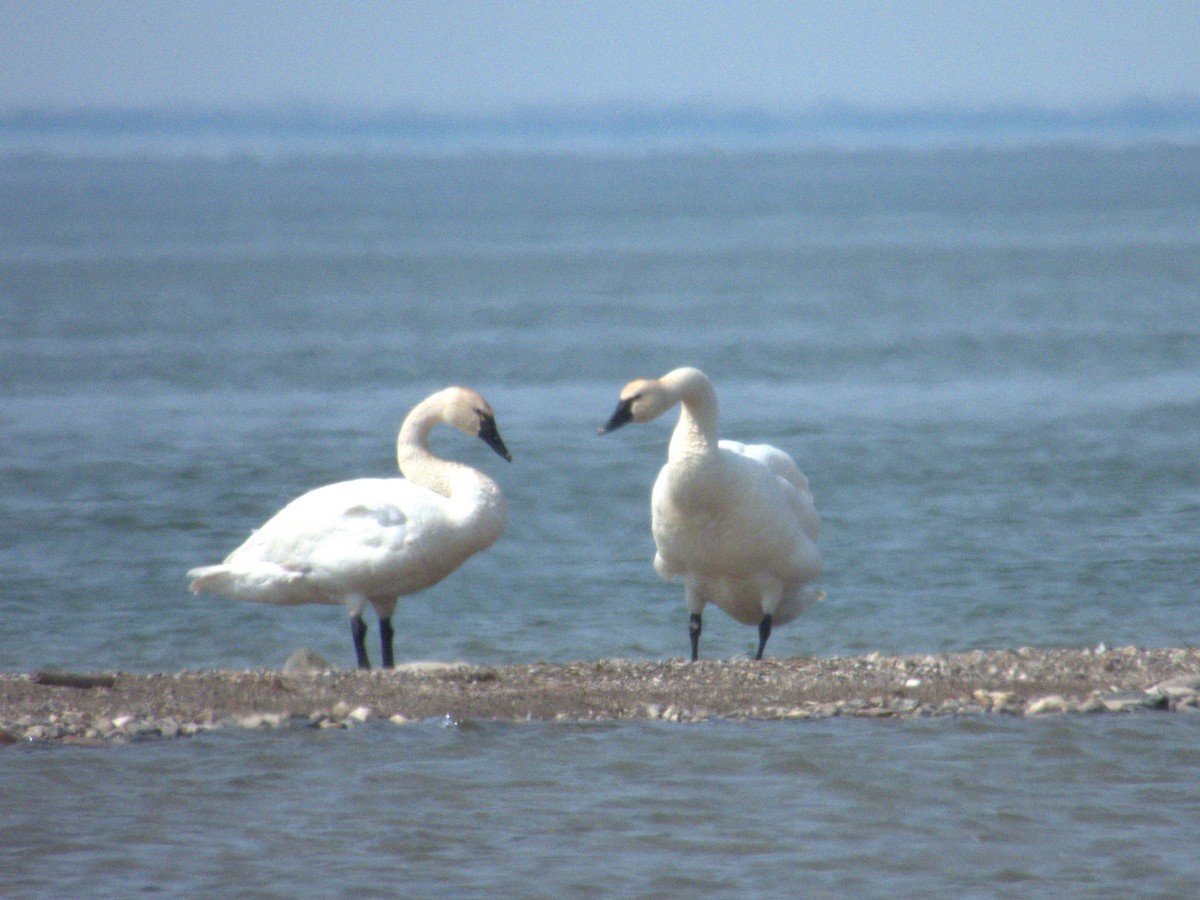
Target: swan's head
{"points": [[467, 411], [641, 401]]}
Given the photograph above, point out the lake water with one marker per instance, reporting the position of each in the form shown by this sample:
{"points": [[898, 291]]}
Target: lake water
{"points": [[987, 361]]}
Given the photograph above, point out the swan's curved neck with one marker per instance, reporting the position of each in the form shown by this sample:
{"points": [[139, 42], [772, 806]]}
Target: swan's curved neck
{"points": [[422, 466], [696, 431]]}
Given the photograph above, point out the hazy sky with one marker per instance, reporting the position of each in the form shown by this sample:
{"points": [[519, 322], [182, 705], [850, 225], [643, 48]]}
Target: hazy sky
{"points": [[475, 56]]}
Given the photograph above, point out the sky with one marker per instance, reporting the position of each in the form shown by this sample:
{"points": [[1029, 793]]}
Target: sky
{"points": [[473, 57]]}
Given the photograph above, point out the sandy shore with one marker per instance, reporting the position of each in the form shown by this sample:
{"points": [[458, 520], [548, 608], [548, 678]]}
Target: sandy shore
{"points": [[98, 708]]}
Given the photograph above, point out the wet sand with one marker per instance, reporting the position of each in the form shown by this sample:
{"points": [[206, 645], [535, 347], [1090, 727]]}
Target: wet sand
{"points": [[99, 708]]}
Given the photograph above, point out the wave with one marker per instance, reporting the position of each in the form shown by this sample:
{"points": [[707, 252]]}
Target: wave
{"points": [[605, 127]]}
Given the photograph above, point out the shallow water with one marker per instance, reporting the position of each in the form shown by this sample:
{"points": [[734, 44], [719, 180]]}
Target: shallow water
{"points": [[984, 360], [1079, 806]]}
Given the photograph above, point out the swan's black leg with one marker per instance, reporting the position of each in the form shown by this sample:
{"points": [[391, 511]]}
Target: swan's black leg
{"points": [[385, 639], [764, 632], [358, 631], [694, 634]]}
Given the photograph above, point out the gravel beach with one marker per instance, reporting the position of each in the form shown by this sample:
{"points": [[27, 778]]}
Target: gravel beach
{"points": [[101, 708]]}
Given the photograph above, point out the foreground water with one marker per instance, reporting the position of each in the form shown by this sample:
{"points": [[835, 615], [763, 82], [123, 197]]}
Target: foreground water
{"points": [[985, 360], [1078, 806]]}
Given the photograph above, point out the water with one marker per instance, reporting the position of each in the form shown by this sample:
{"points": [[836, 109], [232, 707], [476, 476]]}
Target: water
{"points": [[984, 359]]}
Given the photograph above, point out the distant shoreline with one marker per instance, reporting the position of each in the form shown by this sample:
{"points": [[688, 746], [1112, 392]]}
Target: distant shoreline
{"points": [[100, 708]]}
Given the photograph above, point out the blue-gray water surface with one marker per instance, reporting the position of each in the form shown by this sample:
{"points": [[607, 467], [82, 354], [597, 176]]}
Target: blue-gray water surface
{"points": [[987, 361]]}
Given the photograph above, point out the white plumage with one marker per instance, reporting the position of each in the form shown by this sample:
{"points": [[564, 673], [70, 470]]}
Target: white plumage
{"points": [[374, 540], [735, 521]]}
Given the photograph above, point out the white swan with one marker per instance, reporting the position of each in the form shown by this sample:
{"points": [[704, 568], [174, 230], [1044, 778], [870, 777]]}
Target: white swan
{"points": [[737, 521], [373, 540]]}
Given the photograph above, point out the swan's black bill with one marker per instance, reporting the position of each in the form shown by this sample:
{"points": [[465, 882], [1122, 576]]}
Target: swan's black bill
{"points": [[490, 435], [623, 414]]}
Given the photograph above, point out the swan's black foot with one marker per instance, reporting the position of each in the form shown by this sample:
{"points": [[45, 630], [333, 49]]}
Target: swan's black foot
{"points": [[764, 632], [385, 640], [694, 634], [358, 631]]}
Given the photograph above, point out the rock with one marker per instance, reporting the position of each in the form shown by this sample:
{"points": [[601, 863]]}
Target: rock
{"points": [[997, 701], [428, 667], [1130, 701], [306, 662], [1184, 686], [1054, 703], [83, 741], [360, 713]]}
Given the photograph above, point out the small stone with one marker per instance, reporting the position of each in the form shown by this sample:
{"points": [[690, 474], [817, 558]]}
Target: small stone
{"points": [[653, 711], [913, 683], [305, 662], [168, 727], [398, 719], [120, 723], [360, 713], [341, 709], [252, 721]]}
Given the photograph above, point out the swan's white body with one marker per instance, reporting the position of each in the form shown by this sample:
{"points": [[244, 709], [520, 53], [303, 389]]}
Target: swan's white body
{"points": [[374, 540], [735, 521]]}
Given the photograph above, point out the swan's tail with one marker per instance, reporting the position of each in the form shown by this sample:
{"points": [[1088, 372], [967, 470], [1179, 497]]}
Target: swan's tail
{"points": [[260, 583]]}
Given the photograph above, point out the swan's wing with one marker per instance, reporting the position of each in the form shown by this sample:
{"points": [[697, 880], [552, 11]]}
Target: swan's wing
{"points": [[773, 458], [782, 465], [366, 537], [785, 489], [369, 510]]}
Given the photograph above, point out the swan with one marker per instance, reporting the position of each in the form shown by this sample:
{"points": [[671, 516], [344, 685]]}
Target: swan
{"points": [[736, 521], [374, 540]]}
